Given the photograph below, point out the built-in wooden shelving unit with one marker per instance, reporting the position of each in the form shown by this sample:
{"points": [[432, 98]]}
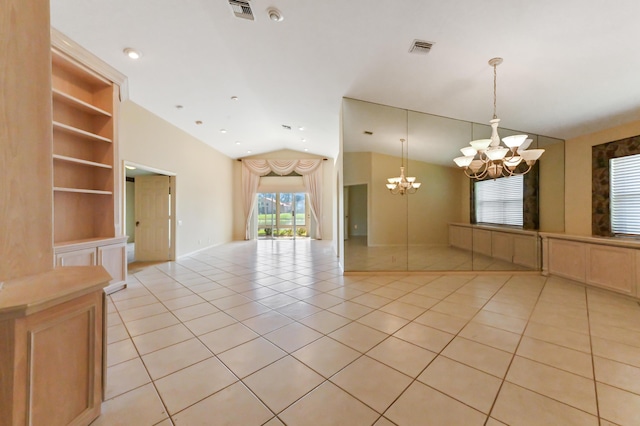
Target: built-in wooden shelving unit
{"points": [[83, 153], [85, 162]]}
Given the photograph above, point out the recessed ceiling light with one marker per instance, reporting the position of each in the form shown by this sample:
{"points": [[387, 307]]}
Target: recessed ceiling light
{"points": [[274, 14], [306, 149], [303, 139], [237, 142], [132, 53], [248, 152], [234, 98], [223, 130], [301, 128], [129, 167], [198, 122]]}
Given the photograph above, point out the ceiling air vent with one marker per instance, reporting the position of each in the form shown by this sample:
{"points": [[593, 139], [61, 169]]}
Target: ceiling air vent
{"points": [[241, 9], [286, 127], [420, 46]]}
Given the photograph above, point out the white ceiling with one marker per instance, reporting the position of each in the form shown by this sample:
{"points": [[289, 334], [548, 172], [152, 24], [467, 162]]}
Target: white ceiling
{"points": [[570, 66]]}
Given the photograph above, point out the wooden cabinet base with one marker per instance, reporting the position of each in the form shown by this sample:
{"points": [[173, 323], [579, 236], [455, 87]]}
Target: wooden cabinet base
{"points": [[610, 263], [108, 252], [51, 342]]}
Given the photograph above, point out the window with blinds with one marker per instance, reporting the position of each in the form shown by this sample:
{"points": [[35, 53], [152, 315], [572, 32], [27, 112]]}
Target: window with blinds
{"points": [[624, 194], [500, 201]]}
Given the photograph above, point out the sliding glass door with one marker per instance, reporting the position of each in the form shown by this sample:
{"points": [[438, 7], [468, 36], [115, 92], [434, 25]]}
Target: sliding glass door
{"points": [[282, 215]]}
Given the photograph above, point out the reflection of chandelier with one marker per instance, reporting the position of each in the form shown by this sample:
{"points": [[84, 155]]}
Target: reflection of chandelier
{"points": [[403, 185], [487, 157]]}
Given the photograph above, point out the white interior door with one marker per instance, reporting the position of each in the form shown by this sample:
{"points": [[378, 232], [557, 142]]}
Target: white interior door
{"points": [[152, 218]]}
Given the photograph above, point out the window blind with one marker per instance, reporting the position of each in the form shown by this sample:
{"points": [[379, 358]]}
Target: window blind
{"points": [[625, 194], [500, 201]]}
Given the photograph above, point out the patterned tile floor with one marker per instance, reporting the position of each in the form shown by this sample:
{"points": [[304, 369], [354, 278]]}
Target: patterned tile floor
{"points": [[271, 333]]}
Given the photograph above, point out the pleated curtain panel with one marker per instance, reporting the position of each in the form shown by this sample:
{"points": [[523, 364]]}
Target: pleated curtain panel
{"points": [[311, 173]]}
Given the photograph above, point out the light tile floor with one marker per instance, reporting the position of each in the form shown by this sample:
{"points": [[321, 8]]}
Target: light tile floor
{"points": [[270, 332]]}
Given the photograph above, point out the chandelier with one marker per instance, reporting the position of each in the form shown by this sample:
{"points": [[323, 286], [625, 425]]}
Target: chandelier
{"points": [[488, 157], [402, 184]]}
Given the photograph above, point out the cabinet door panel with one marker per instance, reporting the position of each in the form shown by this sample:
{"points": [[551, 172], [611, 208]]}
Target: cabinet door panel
{"points": [[502, 246], [112, 257], [63, 354], [611, 267], [84, 257]]}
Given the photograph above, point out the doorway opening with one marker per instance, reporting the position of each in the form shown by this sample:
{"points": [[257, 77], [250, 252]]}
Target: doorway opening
{"points": [[356, 228], [282, 215], [149, 210], [356, 214]]}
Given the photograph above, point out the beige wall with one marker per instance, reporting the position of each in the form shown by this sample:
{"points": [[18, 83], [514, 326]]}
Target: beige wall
{"points": [[437, 203], [327, 193], [578, 175], [356, 168], [465, 197], [551, 186], [203, 176], [387, 212], [416, 219]]}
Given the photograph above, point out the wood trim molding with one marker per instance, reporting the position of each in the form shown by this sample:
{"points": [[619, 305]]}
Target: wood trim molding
{"points": [[73, 49]]}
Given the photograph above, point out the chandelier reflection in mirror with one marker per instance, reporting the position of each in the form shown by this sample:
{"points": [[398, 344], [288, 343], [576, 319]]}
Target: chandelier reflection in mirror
{"points": [[402, 184], [487, 157]]}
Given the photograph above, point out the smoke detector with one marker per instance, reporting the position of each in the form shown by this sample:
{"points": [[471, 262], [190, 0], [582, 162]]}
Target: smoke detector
{"points": [[241, 9], [421, 47], [274, 14]]}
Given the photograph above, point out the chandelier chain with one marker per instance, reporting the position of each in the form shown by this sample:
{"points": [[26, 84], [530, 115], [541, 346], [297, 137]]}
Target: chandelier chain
{"points": [[495, 77]]}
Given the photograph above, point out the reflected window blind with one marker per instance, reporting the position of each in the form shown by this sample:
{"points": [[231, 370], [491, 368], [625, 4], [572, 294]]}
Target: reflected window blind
{"points": [[625, 194], [500, 201]]}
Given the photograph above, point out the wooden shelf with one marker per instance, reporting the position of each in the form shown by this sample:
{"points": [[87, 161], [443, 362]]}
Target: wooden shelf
{"points": [[79, 132], [78, 104], [77, 70], [81, 191], [92, 242], [81, 162]]}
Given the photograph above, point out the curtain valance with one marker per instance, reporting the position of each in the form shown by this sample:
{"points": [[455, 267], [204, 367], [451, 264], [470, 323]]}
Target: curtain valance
{"points": [[311, 173], [281, 167]]}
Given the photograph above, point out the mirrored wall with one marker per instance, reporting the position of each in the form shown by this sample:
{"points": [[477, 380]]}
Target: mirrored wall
{"points": [[432, 229]]}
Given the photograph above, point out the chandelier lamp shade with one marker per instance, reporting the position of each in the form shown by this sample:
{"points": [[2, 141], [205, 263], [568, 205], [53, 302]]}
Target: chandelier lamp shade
{"points": [[490, 158], [403, 184]]}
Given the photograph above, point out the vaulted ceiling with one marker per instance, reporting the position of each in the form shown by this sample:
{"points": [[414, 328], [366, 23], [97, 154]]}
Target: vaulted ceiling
{"points": [[570, 66]]}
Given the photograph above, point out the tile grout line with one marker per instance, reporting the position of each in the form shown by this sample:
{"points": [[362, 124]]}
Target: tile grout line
{"points": [[323, 309], [440, 352], [239, 380], [213, 355], [515, 351], [593, 361]]}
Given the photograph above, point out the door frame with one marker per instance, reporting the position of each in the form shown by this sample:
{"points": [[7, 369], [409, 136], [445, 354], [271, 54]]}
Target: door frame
{"points": [[172, 207]]}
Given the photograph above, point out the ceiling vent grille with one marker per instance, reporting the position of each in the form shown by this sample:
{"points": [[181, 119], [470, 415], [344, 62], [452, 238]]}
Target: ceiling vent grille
{"points": [[242, 9], [421, 47]]}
